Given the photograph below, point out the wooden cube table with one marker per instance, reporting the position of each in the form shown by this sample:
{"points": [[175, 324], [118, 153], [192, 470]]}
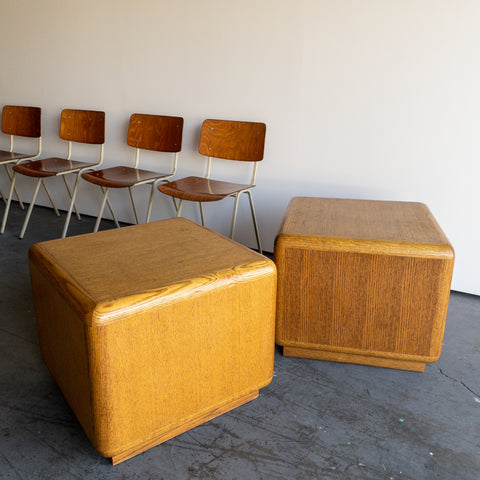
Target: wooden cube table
{"points": [[364, 282], [153, 329]]}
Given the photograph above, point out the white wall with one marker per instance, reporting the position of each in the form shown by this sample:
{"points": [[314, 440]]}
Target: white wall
{"points": [[370, 99]]}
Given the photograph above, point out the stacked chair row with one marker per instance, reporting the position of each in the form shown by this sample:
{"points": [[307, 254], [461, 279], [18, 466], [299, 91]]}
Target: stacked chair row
{"points": [[225, 139]]}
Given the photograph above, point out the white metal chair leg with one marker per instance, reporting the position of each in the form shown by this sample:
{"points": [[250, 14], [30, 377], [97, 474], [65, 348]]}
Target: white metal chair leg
{"points": [[112, 212], [254, 218], [22, 206], [174, 203], [70, 208], [47, 191], [30, 208], [179, 208], [174, 200], [9, 201], [234, 217], [3, 197], [102, 207], [70, 195], [133, 204], [150, 202], [202, 215]]}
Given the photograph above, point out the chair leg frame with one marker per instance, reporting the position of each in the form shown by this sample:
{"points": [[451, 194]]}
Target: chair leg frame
{"points": [[70, 195], [234, 216], [72, 204], [49, 195], [152, 196], [150, 201], [254, 218], [9, 201], [114, 217], [9, 174], [106, 200], [134, 206], [179, 207], [30, 208], [202, 214], [102, 208]]}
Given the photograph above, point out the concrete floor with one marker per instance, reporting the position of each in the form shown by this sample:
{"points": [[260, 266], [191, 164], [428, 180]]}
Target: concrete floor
{"points": [[316, 420]]}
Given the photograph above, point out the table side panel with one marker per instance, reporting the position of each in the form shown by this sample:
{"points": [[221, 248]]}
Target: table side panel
{"points": [[62, 337], [157, 369], [393, 305]]}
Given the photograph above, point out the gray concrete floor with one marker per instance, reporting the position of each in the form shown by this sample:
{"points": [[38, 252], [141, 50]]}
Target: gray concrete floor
{"points": [[316, 420]]}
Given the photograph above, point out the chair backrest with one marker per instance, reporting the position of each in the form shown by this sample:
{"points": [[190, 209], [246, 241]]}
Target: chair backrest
{"points": [[155, 132], [21, 121], [83, 126], [233, 140]]}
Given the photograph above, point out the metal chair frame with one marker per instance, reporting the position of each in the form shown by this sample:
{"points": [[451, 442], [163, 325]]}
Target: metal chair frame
{"points": [[138, 118], [72, 194], [16, 158], [226, 148], [154, 184], [236, 196]]}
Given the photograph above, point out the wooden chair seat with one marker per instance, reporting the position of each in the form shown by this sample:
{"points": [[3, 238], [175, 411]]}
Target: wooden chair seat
{"points": [[121, 177], [229, 140], [9, 157], [49, 167], [199, 189]]}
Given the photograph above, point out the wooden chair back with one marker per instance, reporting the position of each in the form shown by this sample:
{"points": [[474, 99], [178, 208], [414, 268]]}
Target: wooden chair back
{"points": [[21, 121], [155, 132], [233, 140], [83, 126]]}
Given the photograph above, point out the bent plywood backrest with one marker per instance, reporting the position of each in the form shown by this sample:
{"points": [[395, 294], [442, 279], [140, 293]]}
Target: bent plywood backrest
{"points": [[21, 121], [155, 132], [83, 126], [233, 140]]}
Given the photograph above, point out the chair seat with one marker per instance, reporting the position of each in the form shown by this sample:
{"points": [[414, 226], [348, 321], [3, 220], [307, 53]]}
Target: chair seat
{"points": [[120, 177], [7, 157], [198, 189], [49, 167]]}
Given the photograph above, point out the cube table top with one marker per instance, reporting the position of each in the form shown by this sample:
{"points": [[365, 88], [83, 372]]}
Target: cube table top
{"points": [[391, 223], [133, 266]]}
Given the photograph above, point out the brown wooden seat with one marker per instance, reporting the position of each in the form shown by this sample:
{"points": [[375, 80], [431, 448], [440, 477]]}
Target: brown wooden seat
{"points": [[19, 121], [148, 132], [230, 140], [80, 126]]}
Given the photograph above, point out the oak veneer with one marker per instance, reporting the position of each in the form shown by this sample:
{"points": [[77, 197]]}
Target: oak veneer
{"points": [[152, 329], [21, 121], [361, 281]]}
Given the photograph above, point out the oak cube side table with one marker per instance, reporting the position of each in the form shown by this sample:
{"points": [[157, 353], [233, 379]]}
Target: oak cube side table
{"points": [[361, 281], [152, 329]]}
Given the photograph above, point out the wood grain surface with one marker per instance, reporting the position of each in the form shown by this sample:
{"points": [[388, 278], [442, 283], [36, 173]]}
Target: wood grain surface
{"points": [[152, 329], [160, 133], [85, 126], [21, 121], [233, 140], [198, 189], [364, 279]]}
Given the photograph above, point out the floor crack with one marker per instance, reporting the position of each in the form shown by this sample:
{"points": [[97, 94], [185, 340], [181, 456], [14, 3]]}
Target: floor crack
{"points": [[463, 384]]}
